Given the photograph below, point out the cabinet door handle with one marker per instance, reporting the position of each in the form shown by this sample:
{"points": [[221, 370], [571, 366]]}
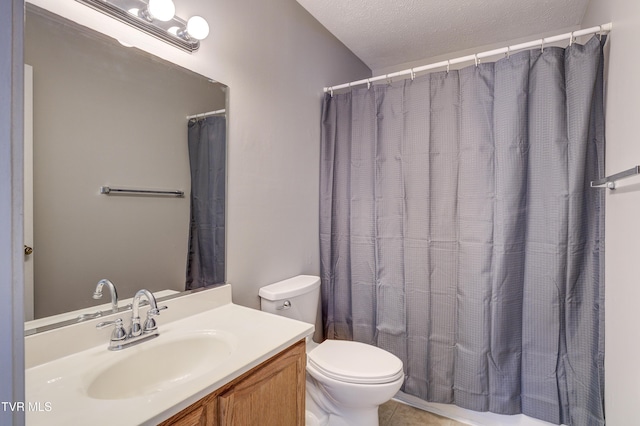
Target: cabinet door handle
{"points": [[28, 250]]}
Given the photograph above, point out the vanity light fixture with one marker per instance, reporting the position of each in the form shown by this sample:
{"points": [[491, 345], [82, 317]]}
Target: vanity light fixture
{"points": [[156, 18]]}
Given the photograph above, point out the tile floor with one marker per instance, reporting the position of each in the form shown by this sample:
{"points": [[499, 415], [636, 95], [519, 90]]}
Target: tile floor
{"points": [[395, 413]]}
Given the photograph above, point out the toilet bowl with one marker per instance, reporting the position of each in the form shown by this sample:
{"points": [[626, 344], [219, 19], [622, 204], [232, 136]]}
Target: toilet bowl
{"points": [[346, 381]]}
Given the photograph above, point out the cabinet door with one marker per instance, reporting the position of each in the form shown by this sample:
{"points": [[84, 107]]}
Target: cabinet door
{"points": [[201, 413], [272, 394]]}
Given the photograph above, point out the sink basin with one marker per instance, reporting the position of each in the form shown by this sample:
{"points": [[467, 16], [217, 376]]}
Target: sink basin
{"points": [[160, 364]]}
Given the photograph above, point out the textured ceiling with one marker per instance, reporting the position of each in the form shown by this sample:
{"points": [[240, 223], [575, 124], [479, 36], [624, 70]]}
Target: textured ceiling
{"points": [[383, 33]]}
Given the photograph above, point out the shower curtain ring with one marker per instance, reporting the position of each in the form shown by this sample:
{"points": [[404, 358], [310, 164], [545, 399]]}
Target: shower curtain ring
{"points": [[448, 65], [331, 91], [600, 32], [413, 74], [542, 45], [508, 51], [571, 39], [475, 55], [368, 83]]}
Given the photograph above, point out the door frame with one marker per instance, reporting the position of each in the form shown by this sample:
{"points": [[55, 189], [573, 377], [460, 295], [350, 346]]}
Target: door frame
{"points": [[11, 223], [28, 193]]}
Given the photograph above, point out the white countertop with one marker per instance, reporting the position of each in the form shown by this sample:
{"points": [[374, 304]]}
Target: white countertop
{"points": [[56, 389]]}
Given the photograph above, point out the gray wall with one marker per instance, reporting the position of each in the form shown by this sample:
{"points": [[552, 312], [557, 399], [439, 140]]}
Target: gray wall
{"points": [[276, 59], [622, 370], [106, 114]]}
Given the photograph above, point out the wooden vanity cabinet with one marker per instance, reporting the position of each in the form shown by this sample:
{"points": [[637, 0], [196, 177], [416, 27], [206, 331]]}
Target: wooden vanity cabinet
{"points": [[271, 394]]}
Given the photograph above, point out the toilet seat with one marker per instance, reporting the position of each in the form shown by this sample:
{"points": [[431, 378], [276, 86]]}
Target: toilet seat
{"points": [[355, 362]]}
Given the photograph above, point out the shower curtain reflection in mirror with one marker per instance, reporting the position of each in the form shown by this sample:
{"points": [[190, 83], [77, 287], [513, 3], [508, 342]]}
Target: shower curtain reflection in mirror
{"points": [[459, 232], [207, 155]]}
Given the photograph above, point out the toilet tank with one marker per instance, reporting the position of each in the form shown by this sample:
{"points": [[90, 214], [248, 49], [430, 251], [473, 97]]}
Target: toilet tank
{"points": [[295, 298]]}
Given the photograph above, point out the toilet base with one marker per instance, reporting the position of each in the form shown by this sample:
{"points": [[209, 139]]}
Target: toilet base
{"points": [[360, 418], [311, 419], [369, 418], [322, 409]]}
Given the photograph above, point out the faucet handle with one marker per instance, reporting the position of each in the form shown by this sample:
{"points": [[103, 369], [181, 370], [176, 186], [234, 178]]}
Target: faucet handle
{"points": [[156, 311], [150, 323], [118, 333]]}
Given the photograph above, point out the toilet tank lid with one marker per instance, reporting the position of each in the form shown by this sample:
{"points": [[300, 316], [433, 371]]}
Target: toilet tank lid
{"points": [[290, 287]]}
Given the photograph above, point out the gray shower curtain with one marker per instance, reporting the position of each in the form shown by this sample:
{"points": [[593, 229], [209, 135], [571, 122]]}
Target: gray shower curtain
{"points": [[207, 158], [458, 231]]}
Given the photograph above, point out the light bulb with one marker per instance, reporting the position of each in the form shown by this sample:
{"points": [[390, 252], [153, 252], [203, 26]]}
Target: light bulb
{"points": [[197, 27], [162, 10]]}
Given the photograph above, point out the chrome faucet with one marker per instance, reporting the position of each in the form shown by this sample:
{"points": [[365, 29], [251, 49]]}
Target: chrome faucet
{"points": [[120, 338], [150, 323], [97, 294]]}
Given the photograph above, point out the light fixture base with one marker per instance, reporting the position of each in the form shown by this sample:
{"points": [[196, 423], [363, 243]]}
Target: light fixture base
{"points": [[119, 10]]}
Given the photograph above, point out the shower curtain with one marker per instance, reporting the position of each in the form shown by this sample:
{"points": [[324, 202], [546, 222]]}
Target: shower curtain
{"points": [[207, 158], [458, 231]]}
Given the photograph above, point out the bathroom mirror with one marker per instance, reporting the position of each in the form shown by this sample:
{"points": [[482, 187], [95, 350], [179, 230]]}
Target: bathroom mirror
{"points": [[105, 115]]}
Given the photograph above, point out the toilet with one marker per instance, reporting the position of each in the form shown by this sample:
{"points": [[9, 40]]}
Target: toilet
{"points": [[346, 381]]}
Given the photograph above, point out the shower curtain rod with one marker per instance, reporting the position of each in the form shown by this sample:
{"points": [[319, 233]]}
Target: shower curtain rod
{"points": [[206, 114], [476, 57]]}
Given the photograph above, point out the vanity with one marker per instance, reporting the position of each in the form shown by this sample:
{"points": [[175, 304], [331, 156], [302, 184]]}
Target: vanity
{"points": [[213, 363]]}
